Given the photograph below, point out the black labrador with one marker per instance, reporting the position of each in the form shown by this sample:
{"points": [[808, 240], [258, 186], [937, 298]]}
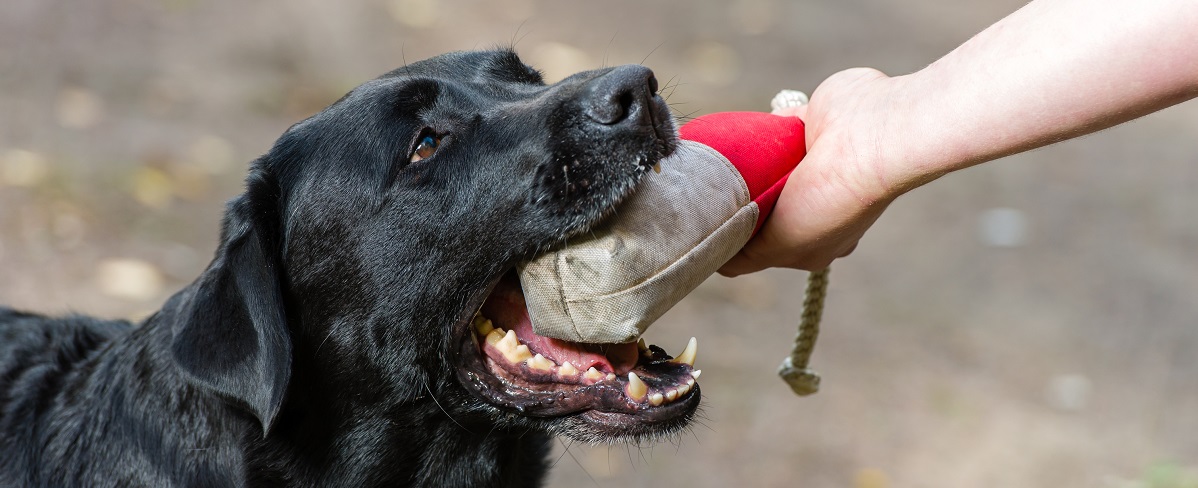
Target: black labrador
{"points": [[360, 324]]}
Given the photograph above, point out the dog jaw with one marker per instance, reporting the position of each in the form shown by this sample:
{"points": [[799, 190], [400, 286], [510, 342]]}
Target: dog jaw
{"points": [[590, 392]]}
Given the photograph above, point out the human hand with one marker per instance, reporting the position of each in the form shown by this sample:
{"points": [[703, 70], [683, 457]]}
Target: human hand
{"points": [[1021, 84], [841, 187]]}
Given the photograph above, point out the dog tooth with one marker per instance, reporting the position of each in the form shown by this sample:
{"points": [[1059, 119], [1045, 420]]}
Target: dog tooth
{"points": [[593, 374], [687, 356], [611, 376], [640, 344], [682, 389], [671, 395], [656, 399], [567, 369], [519, 354], [483, 325], [636, 388], [494, 337], [695, 375], [540, 362], [508, 342], [657, 168]]}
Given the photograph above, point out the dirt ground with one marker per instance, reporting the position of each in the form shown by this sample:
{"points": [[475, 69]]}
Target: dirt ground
{"points": [[1027, 323]]}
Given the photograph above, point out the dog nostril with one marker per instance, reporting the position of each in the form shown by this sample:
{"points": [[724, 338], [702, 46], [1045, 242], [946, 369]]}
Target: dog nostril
{"points": [[612, 97], [624, 103]]}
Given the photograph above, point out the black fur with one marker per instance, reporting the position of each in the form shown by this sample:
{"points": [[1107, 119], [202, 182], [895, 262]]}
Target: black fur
{"points": [[319, 347]]}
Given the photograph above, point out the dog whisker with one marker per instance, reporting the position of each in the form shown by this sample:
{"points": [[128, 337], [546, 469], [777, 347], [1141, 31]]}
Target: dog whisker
{"points": [[438, 403], [583, 468], [628, 451], [607, 49], [326, 339], [565, 449], [651, 52], [514, 41], [671, 85]]}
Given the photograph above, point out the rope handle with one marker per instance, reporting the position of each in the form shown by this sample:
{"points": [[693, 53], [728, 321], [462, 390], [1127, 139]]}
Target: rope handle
{"points": [[794, 371]]}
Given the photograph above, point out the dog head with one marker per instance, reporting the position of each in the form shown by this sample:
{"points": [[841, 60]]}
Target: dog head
{"points": [[372, 233]]}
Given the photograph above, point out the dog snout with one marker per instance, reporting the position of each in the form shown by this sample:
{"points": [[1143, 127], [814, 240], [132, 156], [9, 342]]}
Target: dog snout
{"points": [[619, 95]]}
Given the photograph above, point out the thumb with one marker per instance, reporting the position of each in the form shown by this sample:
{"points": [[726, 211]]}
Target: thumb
{"points": [[757, 254], [739, 265]]}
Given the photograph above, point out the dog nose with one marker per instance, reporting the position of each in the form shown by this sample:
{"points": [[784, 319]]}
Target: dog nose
{"points": [[620, 92]]}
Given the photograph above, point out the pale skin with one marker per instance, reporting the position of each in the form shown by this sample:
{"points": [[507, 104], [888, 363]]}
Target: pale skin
{"points": [[1053, 70]]}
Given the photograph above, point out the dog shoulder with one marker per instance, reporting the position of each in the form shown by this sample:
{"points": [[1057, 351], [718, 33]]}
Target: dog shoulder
{"points": [[29, 340]]}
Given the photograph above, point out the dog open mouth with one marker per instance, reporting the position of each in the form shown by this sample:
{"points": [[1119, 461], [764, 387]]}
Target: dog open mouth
{"points": [[618, 390]]}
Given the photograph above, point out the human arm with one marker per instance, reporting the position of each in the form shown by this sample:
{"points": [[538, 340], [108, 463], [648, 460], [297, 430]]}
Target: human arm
{"points": [[1053, 70]]}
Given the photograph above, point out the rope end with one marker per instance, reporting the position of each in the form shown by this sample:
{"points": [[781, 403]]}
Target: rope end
{"points": [[803, 381]]}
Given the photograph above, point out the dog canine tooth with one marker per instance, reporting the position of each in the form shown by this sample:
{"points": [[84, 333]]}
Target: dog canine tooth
{"points": [[494, 337], [687, 356], [567, 369], [636, 388], [541, 363], [694, 376], [593, 374], [671, 395], [656, 399], [640, 344]]}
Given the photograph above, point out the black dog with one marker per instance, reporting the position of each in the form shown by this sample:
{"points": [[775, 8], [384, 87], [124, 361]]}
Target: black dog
{"points": [[335, 339]]}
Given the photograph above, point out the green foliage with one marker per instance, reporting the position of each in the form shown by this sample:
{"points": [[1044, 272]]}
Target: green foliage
{"points": [[1169, 475]]}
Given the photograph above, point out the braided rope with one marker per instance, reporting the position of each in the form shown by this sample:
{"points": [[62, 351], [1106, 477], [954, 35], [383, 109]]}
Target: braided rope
{"points": [[794, 371], [803, 380]]}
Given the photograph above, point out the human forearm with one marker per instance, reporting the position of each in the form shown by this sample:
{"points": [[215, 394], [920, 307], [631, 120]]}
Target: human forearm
{"points": [[1053, 70]]}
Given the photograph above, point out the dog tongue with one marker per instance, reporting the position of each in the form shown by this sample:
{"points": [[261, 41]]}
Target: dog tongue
{"points": [[506, 308]]}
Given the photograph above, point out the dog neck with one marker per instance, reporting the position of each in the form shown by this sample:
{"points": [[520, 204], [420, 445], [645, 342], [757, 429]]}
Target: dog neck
{"points": [[331, 429], [413, 430]]}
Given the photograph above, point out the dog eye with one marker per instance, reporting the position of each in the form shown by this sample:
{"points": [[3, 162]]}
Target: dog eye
{"points": [[425, 147]]}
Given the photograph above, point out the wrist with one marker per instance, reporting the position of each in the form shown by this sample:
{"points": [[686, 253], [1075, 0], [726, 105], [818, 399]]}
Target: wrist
{"points": [[917, 139], [877, 137], [876, 140]]}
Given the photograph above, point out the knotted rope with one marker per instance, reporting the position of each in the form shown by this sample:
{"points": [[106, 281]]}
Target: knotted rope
{"points": [[803, 380]]}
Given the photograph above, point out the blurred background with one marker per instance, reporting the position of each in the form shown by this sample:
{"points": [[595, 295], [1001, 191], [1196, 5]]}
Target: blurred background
{"points": [[1028, 323]]}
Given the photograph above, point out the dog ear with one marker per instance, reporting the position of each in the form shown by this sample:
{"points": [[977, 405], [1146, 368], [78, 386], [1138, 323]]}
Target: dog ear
{"points": [[232, 336]]}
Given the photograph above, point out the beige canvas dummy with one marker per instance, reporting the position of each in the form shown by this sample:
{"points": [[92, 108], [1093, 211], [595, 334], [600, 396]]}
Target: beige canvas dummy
{"points": [[674, 232]]}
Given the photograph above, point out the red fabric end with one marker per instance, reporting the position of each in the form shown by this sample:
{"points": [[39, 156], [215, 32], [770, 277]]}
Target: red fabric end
{"points": [[764, 147], [766, 201]]}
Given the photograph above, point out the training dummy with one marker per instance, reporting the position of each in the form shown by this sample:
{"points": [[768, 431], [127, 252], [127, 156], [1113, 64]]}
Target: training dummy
{"points": [[679, 227]]}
